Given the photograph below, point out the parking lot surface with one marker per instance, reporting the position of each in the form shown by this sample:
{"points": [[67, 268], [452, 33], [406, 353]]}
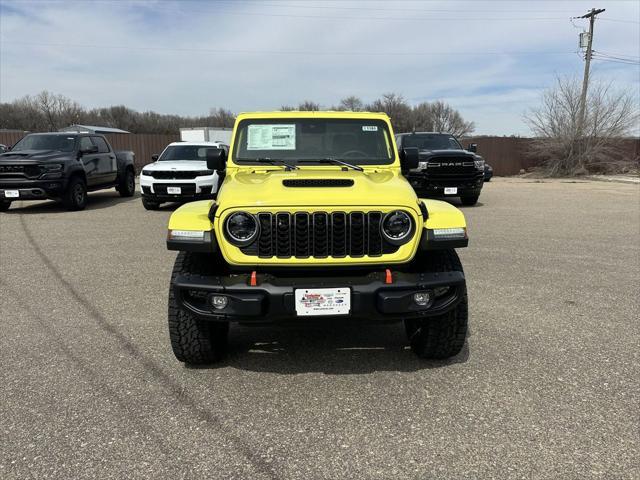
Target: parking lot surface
{"points": [[548, 385]]}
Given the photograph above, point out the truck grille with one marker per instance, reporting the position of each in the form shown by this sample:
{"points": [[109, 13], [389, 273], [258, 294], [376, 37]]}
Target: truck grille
{"points": [[19, 171], [178, 175], [319, 235], [186, 188]]}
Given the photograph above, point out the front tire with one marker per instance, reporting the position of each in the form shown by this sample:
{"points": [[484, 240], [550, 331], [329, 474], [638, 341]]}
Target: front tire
{"points": [[469, 200], [149, 205], [194, 341], [75, 197], [443, 336], [4, 206], [127, 185]]}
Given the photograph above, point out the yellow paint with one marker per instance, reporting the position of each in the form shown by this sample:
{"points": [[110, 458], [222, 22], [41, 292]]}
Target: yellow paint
{"points": [[260, 189]]}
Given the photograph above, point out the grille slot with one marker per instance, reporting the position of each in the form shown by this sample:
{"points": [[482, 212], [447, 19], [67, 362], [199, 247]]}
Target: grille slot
{"points": [[319, 235]]}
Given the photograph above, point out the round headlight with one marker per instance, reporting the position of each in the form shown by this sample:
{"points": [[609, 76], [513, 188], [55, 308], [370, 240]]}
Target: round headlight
{"points": [[241, 228], [397, 227]]}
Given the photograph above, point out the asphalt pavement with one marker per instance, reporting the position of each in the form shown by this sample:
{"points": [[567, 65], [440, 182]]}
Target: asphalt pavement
{"points": [[548, 385]]}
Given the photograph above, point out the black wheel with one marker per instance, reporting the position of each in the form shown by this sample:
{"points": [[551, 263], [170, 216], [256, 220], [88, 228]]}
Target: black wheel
{"points": [[195, 341], [75, 198], [149, 205], [469, 200], [4, 206], [442, 336], [127, 184]]}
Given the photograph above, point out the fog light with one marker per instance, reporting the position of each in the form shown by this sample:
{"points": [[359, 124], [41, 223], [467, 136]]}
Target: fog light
{"points": [[218, 301], [422, 298]]}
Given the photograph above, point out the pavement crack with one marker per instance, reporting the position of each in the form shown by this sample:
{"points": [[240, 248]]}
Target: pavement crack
{"points": [[258, 463]]}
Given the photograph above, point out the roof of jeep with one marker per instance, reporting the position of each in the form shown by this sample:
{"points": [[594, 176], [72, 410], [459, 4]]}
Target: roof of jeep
{"points": [[312, 113]]}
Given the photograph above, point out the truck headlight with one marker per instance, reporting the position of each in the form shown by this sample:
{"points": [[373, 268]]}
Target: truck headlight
{"points": [[479, 164], [146, 172], [241, 228], [52, 171], [397, 227]]}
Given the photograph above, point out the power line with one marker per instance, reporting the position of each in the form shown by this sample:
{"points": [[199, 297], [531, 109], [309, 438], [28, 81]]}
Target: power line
{"points": [[614, 60], [317, 7], [380, 19], [278, 52], [621, 56]]}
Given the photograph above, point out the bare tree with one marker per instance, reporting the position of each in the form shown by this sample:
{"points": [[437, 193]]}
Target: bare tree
{"points": [[309, 106], [351, 103], [397, 108], [561, 147], [423, 117], [445, 118]]}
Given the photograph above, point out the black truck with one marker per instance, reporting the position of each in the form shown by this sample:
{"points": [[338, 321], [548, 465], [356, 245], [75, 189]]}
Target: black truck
{"points": [[63, 166], [445, 168]]}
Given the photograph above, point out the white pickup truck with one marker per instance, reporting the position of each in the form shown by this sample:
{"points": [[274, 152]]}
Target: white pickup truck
{"points": [[179, 174]]}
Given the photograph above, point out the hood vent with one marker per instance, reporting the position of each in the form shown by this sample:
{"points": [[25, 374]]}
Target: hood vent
{"points": [[320, 182]]}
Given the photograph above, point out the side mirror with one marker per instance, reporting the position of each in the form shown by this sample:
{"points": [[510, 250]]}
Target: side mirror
{"points": [[473, 147], [409, 158], [216, 159], [155, 157], [90, 150]]}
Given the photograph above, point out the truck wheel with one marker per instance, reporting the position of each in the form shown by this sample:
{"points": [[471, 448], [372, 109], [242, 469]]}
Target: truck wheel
{"points": [[470, 200], [149, 205], [4, 206], [194, 341], [442, 336], [127, 185], [75, 198]]}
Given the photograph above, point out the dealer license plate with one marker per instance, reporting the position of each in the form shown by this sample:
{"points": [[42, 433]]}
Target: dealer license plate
{"points": [[174, 190], [450, 190], [11, 193], [323, 301]]}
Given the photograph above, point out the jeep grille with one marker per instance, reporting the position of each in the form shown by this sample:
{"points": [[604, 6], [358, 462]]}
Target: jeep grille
{"points": [[319, 235]]}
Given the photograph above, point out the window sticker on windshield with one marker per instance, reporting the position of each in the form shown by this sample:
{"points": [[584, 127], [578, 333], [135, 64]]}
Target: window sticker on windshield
{"points": [[369, 128], [271, 137]]}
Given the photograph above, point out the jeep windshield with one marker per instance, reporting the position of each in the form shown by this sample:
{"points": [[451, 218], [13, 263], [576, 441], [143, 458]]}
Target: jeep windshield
{"points": [[305, 141], [185, 152], [427, 141], [59, 143]]}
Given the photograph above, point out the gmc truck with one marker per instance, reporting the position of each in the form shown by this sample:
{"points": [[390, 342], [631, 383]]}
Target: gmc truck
{"points": [[63, 166], [314, 220], [445, 169]]}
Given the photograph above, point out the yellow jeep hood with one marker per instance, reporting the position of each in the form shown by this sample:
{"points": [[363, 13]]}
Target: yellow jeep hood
{"points": [[246, 188]]}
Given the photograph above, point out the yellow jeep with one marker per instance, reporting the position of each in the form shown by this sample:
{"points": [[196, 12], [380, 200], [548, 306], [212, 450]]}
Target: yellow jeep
{"points": [[314, 218]]}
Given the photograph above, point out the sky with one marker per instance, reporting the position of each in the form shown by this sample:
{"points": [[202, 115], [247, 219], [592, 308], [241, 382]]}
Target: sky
{"points": [[491, 60]]}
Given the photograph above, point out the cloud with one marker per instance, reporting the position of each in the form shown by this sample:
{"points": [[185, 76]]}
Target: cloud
{"points": [[488, 59]]}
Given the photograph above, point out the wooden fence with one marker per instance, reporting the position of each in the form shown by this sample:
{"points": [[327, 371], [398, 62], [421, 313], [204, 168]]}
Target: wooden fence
{"points": [[507, 155]]}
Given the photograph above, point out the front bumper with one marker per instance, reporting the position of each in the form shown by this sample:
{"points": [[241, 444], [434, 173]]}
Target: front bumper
{"points": [[32, 189], [200, 188], [429, 185], [272, 298]]}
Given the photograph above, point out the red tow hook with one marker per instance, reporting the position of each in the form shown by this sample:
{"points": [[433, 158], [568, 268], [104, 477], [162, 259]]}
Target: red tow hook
{"points": [[253, 280], [388, 277]]}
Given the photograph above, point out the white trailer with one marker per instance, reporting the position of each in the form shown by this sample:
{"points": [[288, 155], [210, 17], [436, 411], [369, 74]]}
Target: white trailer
{"points": [[206, 134]]}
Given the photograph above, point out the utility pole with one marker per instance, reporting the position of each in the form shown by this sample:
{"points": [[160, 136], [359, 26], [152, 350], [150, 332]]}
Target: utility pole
{"points": [[587, 64]]}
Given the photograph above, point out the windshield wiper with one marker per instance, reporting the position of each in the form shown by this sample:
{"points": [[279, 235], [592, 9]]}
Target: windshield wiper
{"points": [[272, 161], [334, 161]]}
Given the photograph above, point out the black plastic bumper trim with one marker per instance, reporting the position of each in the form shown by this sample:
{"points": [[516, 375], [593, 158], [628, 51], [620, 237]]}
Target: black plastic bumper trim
{"points": [[272, 299]]}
